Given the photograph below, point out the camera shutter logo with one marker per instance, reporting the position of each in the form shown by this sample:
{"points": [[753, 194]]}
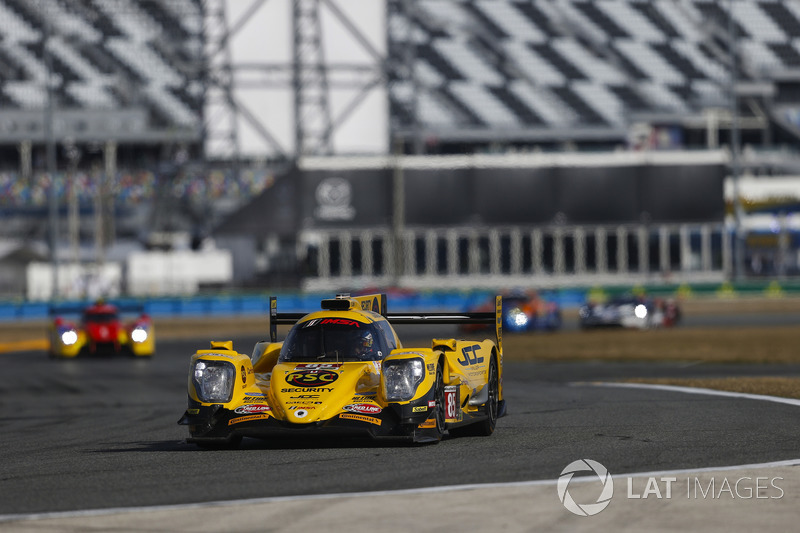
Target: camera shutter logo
{"points": [[334, 197], [588, 509]]}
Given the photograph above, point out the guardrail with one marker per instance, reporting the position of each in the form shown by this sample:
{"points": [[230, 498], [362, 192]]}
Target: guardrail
{"points": [[254, 305]]}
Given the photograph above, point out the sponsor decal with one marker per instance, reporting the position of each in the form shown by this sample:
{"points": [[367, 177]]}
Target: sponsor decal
{"points": [[451, 402], [420, 409], [311, 378], [247, 418], [318, 389], [252, 409], [340, 321], [373, 305], [318, 366], [244, 375], [431, 367], [304, 397], [431, 403], [429, 423], [363, 408], [361, 418], [193, 411], [301, 407], [254, 398], [472, 359], [303, 402]]}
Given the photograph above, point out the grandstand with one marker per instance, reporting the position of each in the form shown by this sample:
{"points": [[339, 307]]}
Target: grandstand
{"points": [[124, 70], [545, 73], [126, 85]]}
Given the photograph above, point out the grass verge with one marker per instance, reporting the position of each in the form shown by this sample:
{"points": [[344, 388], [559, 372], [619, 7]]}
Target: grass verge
{"points": [[756, 345]]}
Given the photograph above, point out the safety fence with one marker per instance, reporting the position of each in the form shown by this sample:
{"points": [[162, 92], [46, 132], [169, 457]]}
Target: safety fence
{"points": [[231, 305], [526, 257]]}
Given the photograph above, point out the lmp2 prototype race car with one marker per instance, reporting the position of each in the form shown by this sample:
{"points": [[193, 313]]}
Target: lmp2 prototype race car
{"points": [[522, 312], [100, 330], [630, 312], [343, 371]]}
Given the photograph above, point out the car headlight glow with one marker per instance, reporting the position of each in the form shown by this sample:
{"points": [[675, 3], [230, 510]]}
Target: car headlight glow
{"points": [[139, 334], [519, 318], [640, 311], [213, 380], [69, 337], [401, 377]]}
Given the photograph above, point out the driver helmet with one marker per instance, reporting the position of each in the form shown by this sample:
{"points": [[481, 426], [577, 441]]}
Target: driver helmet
{"points": [[365, 345]]}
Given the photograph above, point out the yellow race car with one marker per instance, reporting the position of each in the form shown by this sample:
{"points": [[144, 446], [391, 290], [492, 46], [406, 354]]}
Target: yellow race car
{"points": [[343, 371]]}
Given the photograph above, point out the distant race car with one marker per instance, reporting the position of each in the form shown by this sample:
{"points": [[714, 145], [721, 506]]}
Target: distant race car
{"points": [[630, 312], [343, 371], [526, 311], [98, 329]]}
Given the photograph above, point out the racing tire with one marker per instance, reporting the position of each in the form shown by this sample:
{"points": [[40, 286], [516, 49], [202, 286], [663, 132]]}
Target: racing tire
{"points": [[438, 393], [485, 427]]}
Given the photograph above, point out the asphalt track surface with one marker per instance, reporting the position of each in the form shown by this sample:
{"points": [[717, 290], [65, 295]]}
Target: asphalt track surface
{"points": [[101, 433]]}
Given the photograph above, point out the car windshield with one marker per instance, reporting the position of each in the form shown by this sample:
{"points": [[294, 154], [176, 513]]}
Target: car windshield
{"points": [[333, 340]]}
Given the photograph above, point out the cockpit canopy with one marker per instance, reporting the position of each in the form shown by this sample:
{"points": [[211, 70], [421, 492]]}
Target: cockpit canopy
{"points": [[333, 340]]}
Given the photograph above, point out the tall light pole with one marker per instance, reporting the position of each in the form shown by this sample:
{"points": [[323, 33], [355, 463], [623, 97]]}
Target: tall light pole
{"points": [[739, 243], [50, 143]]}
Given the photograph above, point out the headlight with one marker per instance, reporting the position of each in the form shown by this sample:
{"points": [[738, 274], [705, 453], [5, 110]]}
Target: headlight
{"points": [[401, 378], [69, 337], [640, 311], [213, 381], [519, 318], [139, 334]]}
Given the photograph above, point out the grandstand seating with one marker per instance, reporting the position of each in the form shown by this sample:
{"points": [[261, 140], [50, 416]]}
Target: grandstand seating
{"points": [[581, 64], [105, 54]]}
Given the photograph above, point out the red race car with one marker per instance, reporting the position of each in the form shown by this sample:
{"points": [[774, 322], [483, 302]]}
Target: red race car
{"points": [[100, 330]]}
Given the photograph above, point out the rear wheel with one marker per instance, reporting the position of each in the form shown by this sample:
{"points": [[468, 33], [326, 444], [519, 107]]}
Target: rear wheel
{"points": [[439, 397], [485, 427]]}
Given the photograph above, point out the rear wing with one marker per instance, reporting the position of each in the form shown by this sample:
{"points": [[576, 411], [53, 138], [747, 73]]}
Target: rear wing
{"points": [[77, 307], [377, 303], [495, 318]]}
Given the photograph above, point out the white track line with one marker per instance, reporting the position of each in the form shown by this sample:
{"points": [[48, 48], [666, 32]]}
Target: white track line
{"points": [[399, 492], [446, 488], [695, 390]]}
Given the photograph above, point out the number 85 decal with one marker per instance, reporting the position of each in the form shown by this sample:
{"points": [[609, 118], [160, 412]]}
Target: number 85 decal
{"points": [[470, 359]]}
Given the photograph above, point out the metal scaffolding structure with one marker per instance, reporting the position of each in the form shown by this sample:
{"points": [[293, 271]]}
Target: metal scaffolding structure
{"points": [[309, 74]]}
